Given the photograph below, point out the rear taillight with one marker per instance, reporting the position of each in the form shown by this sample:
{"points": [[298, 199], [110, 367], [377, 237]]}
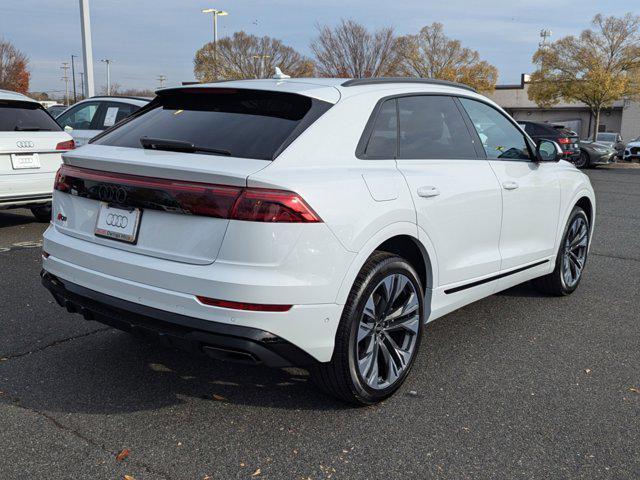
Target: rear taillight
{"points": [[208, 200], [564, 140], [68, 145], [254, 307], [265, 205]]}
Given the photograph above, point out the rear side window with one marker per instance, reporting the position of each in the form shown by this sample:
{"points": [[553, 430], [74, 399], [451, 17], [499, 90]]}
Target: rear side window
{"points": [[384, 135], [432, 127], [245, 123], [25, 117]]}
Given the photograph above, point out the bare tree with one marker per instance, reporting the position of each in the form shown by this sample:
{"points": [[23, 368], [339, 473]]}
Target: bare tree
{"points": [[597, 68], [247, 56], [13, 68], [350, 50], [431, 54]]}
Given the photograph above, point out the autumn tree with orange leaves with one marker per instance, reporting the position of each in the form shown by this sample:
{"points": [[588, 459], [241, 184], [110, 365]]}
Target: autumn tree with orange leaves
{"points": [[13, 68]]}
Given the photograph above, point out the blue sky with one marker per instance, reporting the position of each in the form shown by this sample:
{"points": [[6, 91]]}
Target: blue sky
{"points": [[146, 38]]}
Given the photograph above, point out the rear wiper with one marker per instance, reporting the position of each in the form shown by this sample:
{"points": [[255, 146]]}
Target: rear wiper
{"points": [[27, 128], [178, 146]]}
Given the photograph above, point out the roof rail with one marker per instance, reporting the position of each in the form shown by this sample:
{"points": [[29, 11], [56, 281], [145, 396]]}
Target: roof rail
{"points": [[380, 80]]}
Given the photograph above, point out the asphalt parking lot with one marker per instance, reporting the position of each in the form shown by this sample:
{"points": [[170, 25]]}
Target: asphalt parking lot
{"points": [[515, 386]]}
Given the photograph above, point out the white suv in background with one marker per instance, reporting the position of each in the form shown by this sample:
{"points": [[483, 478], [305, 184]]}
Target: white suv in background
{"points": [[30, 146], [312, 222], [92, 116]]}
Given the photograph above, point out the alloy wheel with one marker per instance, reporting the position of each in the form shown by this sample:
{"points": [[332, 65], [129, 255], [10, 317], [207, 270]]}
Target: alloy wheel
{"points": [[575, 251], [388, 331]]}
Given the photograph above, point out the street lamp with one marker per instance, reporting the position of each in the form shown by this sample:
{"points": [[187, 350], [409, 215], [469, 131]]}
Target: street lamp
{"points": [[108, 62], [216, 14]]}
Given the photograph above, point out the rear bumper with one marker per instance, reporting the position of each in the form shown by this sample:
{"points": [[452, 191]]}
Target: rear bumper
{"points": [[24, 201], [217, 340]]}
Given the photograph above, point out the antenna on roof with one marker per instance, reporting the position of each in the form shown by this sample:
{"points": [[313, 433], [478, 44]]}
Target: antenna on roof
{"points": [[279, 75]]}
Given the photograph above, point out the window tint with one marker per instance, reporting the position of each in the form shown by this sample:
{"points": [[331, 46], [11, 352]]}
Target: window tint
{"points": [[432, 127], [499, 137], [247, 123], [384, 136], [79, 117], [542, 130], [25, 116]]}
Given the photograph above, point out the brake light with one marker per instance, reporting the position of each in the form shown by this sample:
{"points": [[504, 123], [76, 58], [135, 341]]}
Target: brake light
{"points": [[265, 205], [60, 181], [254, 307], [209, 200], [564, 140], [68, 145]]}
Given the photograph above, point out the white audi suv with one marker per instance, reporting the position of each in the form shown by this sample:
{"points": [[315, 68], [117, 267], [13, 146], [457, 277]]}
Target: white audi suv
{"points": [[312, 222], [30, 146]]}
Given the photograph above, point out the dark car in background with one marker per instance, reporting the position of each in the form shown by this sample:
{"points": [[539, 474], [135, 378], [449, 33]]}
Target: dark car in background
{"points": [[56, 110], [567, 139]]}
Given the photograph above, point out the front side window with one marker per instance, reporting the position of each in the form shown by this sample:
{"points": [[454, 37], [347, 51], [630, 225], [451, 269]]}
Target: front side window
{"points": [[499, 137], [25, 117], [432, 127], [80, 117]]}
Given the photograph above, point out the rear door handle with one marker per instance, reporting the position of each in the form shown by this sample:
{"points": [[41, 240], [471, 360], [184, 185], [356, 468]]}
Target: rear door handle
{"points": [[428, 191], [510, 185]]}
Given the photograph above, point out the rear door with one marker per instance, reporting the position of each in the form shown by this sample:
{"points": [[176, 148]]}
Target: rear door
{"points": [[456, 195], [530, 189], [81, 121]]}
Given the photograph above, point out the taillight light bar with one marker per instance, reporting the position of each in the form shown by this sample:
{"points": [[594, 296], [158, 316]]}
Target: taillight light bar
{"points": [[209, 200], [67, 145], [254, 307]]}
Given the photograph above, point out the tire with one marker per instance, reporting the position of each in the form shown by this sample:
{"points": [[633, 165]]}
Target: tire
{"points": [[557, 282], [42, 213], [584, 161], [343, 376]]}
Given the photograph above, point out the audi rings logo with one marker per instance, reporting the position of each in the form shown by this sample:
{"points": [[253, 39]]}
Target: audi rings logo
{"points": [[120, 221], [112, 193], [25, 144]]}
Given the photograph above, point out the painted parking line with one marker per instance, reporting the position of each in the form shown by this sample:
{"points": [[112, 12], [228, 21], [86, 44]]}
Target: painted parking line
{"points": [[21, 246]]}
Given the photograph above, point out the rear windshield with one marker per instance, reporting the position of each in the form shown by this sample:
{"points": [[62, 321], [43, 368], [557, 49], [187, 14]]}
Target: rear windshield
{"points": [[245, 123], [607, 137], [25, 117]]}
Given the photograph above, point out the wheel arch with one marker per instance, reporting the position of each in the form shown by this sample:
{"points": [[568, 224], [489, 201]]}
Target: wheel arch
{"points": [[402, 239]]}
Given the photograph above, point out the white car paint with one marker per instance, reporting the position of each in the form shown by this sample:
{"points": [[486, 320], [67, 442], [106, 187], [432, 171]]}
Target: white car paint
{"points": [[98, 113], [30, 186], [635, 144], [475, 227]]}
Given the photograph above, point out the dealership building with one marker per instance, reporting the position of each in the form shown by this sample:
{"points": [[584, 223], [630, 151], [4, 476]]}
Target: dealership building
{"points": [[623, 117]]}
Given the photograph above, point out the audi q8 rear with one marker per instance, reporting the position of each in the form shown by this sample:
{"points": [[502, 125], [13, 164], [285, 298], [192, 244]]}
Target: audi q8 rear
{"points": [[311, 222]]}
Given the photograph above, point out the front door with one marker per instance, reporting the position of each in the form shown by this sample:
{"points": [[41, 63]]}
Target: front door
{"points": [[530, 189]]}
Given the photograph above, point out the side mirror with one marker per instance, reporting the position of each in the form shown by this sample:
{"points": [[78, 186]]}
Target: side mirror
{"points": [[548, 151], [67, 128]]}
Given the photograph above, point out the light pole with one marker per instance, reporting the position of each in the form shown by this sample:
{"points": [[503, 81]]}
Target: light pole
{"points": [[65, 67], [82, 84], [216, 14], [87, 51], [108, 62], [73, 78]]}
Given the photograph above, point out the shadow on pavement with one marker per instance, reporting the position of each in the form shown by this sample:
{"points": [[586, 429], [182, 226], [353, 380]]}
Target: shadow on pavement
{"points": [[13, 218]]}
